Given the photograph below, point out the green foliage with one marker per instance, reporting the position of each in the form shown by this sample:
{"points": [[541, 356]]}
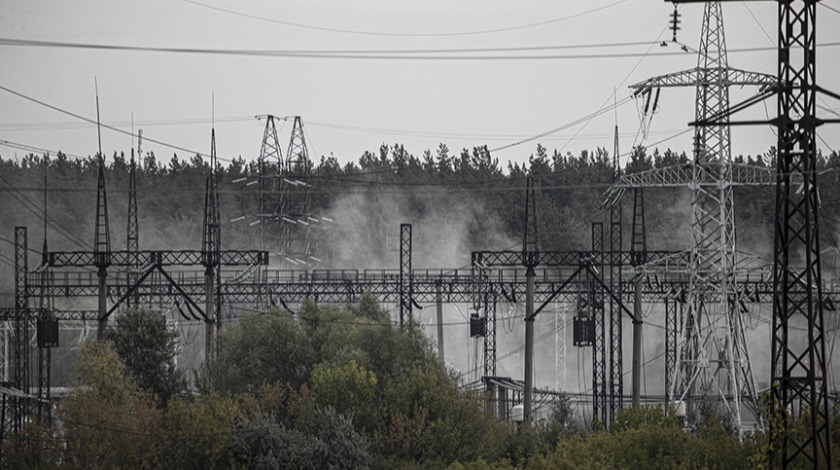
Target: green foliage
{"points": [[349, 389], [561, 422], [148, 349], [329, 442], [108, 420], [194, 434], [33, 448], [645, 416], [262, 349]]}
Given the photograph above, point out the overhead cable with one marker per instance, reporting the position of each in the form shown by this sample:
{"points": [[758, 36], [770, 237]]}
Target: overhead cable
{"points": [[426, 34]]}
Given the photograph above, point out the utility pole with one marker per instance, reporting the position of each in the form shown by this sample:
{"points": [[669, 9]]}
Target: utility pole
{"points": [[210, 248], [637, 342], [530, 259]]}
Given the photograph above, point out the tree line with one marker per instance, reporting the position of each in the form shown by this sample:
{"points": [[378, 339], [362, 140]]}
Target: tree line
{"points": [[376, 193]]}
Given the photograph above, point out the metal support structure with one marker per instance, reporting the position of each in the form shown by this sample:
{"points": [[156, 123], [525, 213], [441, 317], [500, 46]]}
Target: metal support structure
{"points": [[102, 249], [490, 303], [637, 343], [673, 312], [600, 363], [712, 328], [529, 346], [20, 404], [559, 348], [530, 259], [270, 158], [638, 238], [616, 369], [799, 358], [439, 317], [132, 238], [210, 248], [293, 207], [799, 372], [45, 321], [406, 299]]}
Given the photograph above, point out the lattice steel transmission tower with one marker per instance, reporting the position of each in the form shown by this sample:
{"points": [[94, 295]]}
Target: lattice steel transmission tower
{"points": [[799, 373], [288, 200], [799, 358], [711, 353]]}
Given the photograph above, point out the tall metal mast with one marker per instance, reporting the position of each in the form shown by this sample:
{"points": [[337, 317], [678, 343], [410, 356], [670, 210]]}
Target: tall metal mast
{"points": [[711, 353]]}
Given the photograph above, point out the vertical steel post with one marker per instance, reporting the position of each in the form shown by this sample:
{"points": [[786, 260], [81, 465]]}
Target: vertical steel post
{"points": [[405, 274], [637, 343], [20, 408], [529, 344], [439, 307], [799, 360]]}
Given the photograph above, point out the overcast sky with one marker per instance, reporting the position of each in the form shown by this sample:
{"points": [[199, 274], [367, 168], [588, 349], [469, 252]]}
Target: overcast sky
{"points": [[353, 104]]}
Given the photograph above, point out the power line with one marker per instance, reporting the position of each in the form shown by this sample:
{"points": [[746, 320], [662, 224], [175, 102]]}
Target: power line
{"points": [[581, 120], [30, 148], [366, 55], [830, 8], [372, 33], [68, 125], [32, 207], [106, 126], [612, 95]]}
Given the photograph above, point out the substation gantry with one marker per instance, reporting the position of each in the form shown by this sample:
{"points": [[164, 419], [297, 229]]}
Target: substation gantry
{"points": [[797, 292]]}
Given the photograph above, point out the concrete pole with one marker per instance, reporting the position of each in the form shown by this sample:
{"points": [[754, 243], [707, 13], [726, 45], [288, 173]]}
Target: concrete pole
{"points": [[529, 344], [209, 306], [103, 304], [637, 343], [439, 300]]}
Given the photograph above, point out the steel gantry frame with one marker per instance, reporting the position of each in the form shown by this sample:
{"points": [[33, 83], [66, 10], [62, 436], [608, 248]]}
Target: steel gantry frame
{"points": [[591, 264]]}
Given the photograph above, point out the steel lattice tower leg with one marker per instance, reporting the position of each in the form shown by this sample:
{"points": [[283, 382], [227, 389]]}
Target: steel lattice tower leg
{"points": [[559, 347], [799, 359], [672, 313], [132, 243], [616, 373], [22, 319], [638, 241], [270, 156], [490, 301], [599, 345], [405, 274]]}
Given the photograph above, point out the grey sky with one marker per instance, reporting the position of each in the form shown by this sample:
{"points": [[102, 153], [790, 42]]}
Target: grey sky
{"points": [[352, 105]]}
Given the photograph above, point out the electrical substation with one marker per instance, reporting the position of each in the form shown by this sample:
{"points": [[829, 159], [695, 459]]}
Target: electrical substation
{"points": [[700, 302]]}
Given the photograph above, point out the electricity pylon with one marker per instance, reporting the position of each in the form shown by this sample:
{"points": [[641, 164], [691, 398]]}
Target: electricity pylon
{"points": [[288, 200], [711, 350]]}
